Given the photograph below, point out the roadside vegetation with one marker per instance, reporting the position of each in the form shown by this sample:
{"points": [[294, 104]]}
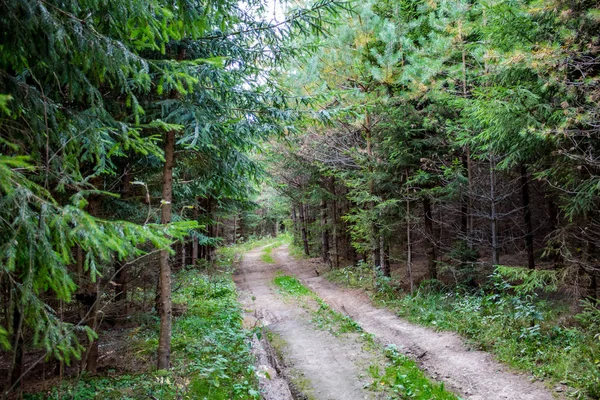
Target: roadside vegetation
{"points": [[400, 377], [517, 321], [211, 358]]}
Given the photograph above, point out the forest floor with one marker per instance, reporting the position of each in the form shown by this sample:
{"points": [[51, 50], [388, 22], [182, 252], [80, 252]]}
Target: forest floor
{"points": [[322, 365]]}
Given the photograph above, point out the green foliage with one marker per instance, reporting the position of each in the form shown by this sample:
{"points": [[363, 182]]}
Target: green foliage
{"points": [[522, 330], [512, 321], [324, 317], [267, 250], [228, 255], [356, 276], [403, 379], [528, 280], [290, 285], [211, 356]]}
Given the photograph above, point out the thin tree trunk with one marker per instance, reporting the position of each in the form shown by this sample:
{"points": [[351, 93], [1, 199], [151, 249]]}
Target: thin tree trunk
{"points": [[470, 198], [464, 204], [295, 230], [409, 272], [210, 249], [303, 229], [121, 281], [18, 348], [493, 212], [241, 226], [335, 233], [324, 233], [184, 255], [527, 218], [384, 257], [91, 357], [430, 239], [195, 238], [164, 340], [234, 228]]}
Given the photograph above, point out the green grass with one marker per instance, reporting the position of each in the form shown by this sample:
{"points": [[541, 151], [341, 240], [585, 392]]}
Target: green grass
{"points": [[266, 255], [524, 331], [324, 317], [400, 377], [403, 378], [210, 354], [290, 285], [228, 255]]}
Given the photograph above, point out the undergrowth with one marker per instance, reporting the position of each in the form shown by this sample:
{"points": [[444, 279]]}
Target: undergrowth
{"points": [[210, 352], [520, 326]]}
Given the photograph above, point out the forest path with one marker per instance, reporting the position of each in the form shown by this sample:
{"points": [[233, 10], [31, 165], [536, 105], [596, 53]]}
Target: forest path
{"points": [[443, 355], [334, 367], [321, 365]]}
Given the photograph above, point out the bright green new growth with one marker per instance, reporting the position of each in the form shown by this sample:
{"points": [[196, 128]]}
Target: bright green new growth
{"points": [[290, 285]]}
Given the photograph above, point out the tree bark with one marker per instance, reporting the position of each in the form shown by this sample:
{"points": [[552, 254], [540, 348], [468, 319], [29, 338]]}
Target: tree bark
{"points": [[527, 218], [430, 239], [335, 233], [121, 281], [409, 272], [165, 309], [18, 347], [303, 229], [324, 233], [195, 238], [295, 231], [92, 297], [493, 212], [384, 251]]}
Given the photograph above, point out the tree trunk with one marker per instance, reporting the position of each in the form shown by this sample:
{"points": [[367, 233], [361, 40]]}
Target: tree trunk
{"points": [[464, 205], [91, 364], [409, 272], [92, 295], [303, 229], [18, 348], [384, 257], [527, 218], [295, 230], [430, 239], [184, 254], [165, 309], [195, 238], [335, 233], [121, 281], [493, 212], [324, 233], [210, 232]]}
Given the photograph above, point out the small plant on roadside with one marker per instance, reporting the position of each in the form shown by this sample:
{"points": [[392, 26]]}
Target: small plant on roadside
{"points": [[290, 285], [403, 379], [356, 276]]}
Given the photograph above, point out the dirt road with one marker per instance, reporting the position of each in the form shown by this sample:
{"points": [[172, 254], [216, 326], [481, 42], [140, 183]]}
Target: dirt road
{"points": [[334, 368]]}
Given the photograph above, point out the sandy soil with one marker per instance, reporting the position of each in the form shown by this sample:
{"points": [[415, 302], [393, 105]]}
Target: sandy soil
{"points": [[444, 356], [326, 366]]}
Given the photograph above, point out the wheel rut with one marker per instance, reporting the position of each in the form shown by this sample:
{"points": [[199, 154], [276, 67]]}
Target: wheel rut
{"points": [[320, 365], [442, 355]]}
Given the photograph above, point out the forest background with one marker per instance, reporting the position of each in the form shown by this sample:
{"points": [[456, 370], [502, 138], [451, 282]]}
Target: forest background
{"points": [[433, 144]]}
